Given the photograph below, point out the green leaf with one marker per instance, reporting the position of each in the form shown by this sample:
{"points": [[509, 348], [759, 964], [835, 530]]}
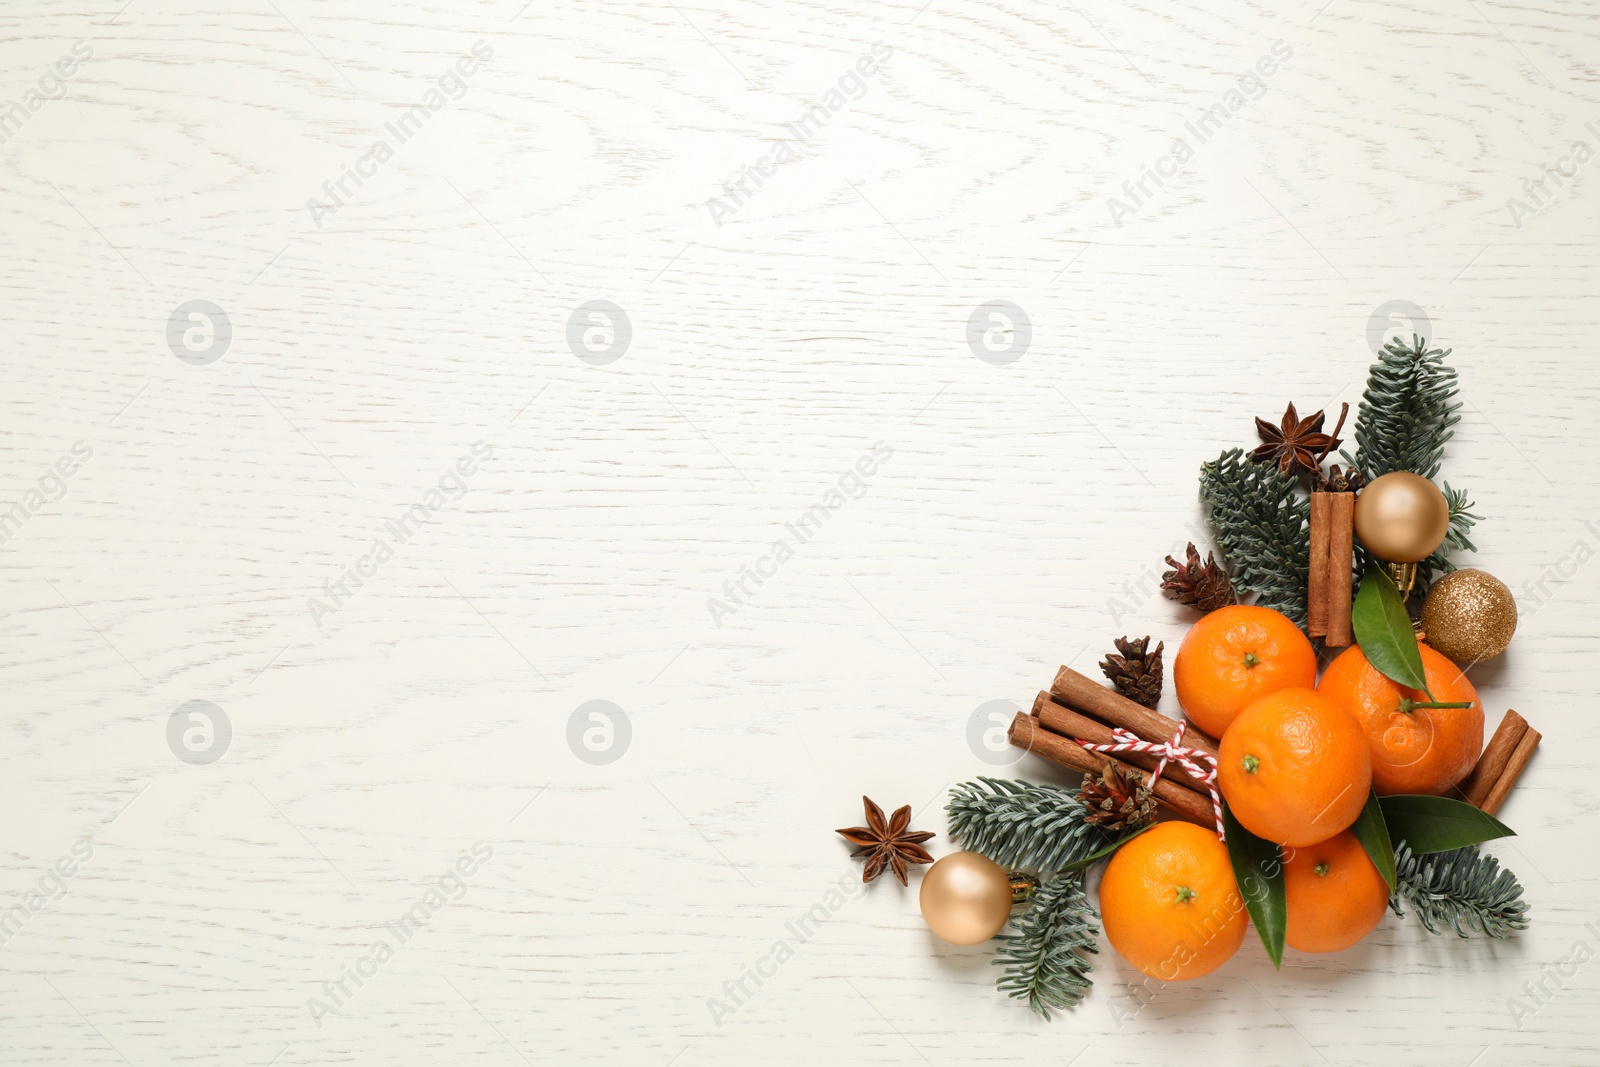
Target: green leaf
{"points": [[1258, 868], [1383, 630], [1098, 854], [1439, 824], [1373, 833]]}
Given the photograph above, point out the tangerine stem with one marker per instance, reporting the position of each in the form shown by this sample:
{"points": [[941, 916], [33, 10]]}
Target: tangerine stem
{"points": [[1250, 660], [1407, 704], [1185, 894], [1250, 764]]}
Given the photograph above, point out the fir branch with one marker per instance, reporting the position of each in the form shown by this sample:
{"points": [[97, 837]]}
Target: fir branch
{"points": [[1462, 889], [1462, 520], [1044, 957], [1261, 524], [1018, 824], [1406, 413]]}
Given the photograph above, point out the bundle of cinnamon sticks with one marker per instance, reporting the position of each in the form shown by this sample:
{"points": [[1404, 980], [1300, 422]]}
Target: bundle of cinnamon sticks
{"points": [[1501, 764], [1077, 708], [1331, 585]]}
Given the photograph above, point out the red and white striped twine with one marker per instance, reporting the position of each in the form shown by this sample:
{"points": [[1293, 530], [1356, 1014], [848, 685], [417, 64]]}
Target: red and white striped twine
{"points": [[1201, 765]]}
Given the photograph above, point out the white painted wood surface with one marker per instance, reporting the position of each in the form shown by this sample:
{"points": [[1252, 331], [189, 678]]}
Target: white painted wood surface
{"points": [[1019, 523]]}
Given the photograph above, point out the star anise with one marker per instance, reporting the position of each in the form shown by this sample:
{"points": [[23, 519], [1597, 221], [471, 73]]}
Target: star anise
{"points": [[888, 842], [1297, 445]]}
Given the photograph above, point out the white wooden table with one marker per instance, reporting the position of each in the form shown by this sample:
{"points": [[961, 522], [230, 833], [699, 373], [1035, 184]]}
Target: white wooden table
{"points": [[312, 895]]}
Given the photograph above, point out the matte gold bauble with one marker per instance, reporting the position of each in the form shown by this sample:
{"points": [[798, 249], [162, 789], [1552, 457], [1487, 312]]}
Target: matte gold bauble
{"points": [[1402, 517], [1469, 615], [966, 898]]}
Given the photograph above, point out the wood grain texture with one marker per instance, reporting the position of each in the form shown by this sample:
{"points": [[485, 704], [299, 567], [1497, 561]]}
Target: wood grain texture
{"points": [[1019, 523]]}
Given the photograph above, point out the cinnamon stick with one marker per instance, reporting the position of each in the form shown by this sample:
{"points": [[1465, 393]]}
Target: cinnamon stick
{"points": [[1340, 564], [1317, 587], [1027, 733], [1514, 767], [1068, 723], [1492, 764], [1088, 696]]}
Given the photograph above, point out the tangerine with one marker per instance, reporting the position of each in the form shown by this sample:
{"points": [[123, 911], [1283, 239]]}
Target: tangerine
{"points": [[1335, 894], [1418, 745], [1235, 655], [1169, 903], [1294, 767]]}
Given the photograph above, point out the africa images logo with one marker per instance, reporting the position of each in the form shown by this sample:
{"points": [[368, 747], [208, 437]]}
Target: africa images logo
{"points": [[851, 485], [450, 86], [1251, 86], [52, 85], [850, 86], [448, 888], [451, 487]]}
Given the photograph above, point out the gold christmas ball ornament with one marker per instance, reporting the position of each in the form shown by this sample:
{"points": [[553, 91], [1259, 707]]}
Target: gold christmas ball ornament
{"points": [[1402, 517], [1469, 615], [966, 898]]}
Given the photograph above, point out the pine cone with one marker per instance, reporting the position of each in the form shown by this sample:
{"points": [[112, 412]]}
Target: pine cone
{"points": [[1137, 672], [1200, 585], [1117, 799], [1338, 481]]}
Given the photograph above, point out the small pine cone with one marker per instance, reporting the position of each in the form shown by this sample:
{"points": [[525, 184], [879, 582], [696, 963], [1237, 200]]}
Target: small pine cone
{"points": [[1117, 799], [1339, 481], [1200, 585], [1136, 673]]}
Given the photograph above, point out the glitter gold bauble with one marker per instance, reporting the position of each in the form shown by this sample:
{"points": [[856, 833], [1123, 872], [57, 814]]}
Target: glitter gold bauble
{"points": [[1469, 615], [1402, 517], [966, 898]]}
